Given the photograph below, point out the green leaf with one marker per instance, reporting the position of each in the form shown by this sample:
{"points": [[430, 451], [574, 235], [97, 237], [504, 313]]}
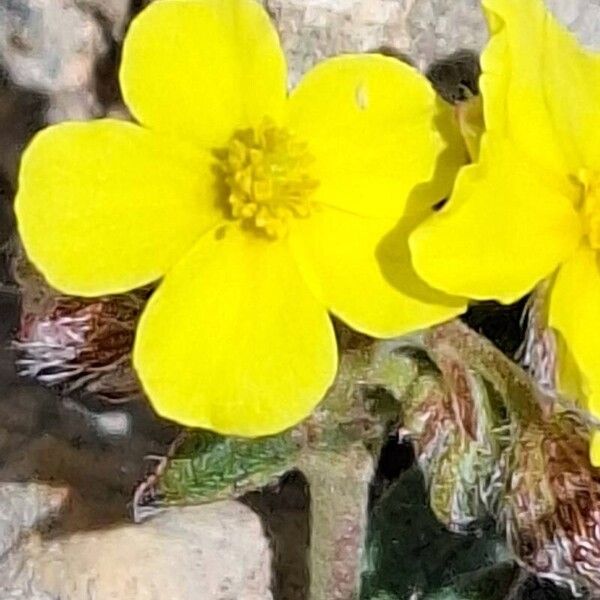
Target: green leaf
{"points": [[208, 467]]}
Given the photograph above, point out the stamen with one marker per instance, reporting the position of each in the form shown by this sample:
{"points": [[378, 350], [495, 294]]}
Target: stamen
{"points": [[267, 172]]}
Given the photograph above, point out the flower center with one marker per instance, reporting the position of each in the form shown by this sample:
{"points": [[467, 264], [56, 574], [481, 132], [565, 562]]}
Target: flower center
{"points": [[591, 207], [266, 171]]}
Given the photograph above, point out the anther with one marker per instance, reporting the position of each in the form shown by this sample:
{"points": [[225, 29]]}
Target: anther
{"points": [[267, 172]]}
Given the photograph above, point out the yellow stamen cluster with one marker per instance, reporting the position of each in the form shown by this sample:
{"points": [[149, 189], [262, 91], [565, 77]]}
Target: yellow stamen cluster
{"points": [[266, 172]]}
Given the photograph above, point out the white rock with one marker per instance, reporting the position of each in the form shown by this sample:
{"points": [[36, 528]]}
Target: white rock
{"points": [[437, 28], [115, 12], [424, 30], [211, 552], [582, 17], [316, 29], [23, 506], [51, 45]]}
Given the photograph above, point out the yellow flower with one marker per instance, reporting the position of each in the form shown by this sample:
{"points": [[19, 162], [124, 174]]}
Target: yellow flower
{"points": [[530, 207], [259, 211]]}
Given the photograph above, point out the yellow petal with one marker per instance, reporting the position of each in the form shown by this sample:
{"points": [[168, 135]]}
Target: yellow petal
{"points": [[541, 89], [371, 124], [569, 379], [575, 314], [507, 226], [234, 341], [472, 126], [203, 68], [104, 207], [360, 268]]}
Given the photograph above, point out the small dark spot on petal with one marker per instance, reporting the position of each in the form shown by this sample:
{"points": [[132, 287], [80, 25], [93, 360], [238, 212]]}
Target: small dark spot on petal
{"points": [[220, 232]]}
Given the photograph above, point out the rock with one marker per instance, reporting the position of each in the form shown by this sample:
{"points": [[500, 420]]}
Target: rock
{"points": [[582, 17], [64, 49], [49, 46], [115, 13], [214, 552], [422, 30], [437, 28], [24, 505], [317, 29], [77, 105]]}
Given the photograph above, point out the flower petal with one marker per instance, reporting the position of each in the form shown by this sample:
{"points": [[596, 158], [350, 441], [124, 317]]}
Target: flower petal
{"points": [[360, 268], [575, 313], [371, 119], [507, 226], [106, 206], [541, 89], [203, 68], [234, 341], [568, 377]]}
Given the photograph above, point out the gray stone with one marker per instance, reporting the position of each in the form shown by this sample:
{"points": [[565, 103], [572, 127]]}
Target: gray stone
{"points": [[214, 552], [317, 29], [423, 30], [582, 17], [115, 13], [25, 505], [54, 47], [49, 46], [437, 28]]}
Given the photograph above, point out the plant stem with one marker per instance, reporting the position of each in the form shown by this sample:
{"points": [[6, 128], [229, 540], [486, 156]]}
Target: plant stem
{"points": [[339, 493]]}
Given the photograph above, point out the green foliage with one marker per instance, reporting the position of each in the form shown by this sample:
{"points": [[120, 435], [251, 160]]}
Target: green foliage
{"points": [[209, 467], [409, 552]]}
